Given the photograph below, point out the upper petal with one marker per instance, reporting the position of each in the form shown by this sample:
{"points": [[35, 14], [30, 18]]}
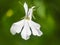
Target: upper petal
{"points": [[26, 31], [26, 7], [16, 27], [30, 12], [35, 30]]}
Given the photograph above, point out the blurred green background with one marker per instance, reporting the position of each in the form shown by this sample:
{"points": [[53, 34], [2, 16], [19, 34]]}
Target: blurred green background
{"points": [[47, 14]]}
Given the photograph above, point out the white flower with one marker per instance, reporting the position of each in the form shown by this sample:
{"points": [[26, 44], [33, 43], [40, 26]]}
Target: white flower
{"points": [[26, 26]]}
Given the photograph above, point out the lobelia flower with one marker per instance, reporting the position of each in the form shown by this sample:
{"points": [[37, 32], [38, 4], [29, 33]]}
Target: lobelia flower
{"points": [[26, 26]]}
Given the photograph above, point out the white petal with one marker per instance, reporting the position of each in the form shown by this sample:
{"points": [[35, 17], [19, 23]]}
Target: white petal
{"points": [[16, 27], [33, 7], [12, 30], [26, 8], [26, 31], [36, 25], [35, 31], [30, 12]]}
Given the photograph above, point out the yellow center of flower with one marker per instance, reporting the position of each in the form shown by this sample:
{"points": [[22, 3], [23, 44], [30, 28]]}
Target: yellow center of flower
{"points": [[27, 18]]}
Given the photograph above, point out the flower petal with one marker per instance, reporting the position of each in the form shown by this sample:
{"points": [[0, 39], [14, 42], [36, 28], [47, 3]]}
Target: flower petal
{"points": [[12, 30], [30, 12], [26, 7], [26, 31], [36, 25], [16, 27], [35, 31]]}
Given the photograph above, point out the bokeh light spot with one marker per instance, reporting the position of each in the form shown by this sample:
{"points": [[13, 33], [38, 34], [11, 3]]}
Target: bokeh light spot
{"points": [[9, 13]]}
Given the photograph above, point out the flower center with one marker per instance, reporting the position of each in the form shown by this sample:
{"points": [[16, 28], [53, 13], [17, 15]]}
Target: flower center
{"points": [[27, 18]]}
